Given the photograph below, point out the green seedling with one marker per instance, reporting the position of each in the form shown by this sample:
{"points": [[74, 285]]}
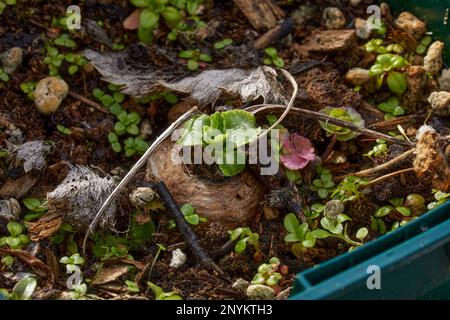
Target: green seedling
{"points": [[441, 198], [63, 129], [189, 214], [28, 88], [72, 262], [298, 234], [348, 189], [114, 141], [7, 261], [392, 108], [396, 207], [66, 234], [272, 58], [161, 295], [323, 184], [23, 290], [378, 150], [65, 41], [112, 101], [245, 237], [75, 62], [135, 145], [345, 114], [54, 60], [293, 176], [378, 225], [423, 45], [270, 274], [169, 11], [16, 240], [376, 45], [160, 249], [36, 208], [334, 226], [141, 232], [230, 128], [128, 123], [219, 45], [314, 211], [132, 286], [187, 29], [3, 75], [384, 67], [193, 58], [4, 3]]}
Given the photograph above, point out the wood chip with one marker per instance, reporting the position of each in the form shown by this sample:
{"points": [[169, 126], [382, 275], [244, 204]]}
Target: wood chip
{"points": [[17, 188], [328, 41], [262, 14]]}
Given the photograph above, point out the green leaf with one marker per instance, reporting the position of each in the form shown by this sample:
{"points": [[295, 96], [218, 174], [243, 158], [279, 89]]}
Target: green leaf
{"points": [[205, 57], [32, 203], [119, 128], [98, 93], [292, 237], [291, 223], [240, 245], [240, 126], [192, 65], [362, 233], [396, 82], [139, 3], [383, 211], [148, 19], [14, 228], [404, 211], [107, 100], [271, 52], [309, 241], [133, 129], [193, 219], [145, 35], [112, 137], [117, 148], [193, 130], [187, 209], [186, 54], [172, 16], [24, 289], [321, 234], [230, 170], [115, 109], [118, 97]]}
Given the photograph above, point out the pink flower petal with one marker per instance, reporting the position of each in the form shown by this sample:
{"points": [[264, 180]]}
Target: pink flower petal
{"points": [[132, 21], [297, 152]]}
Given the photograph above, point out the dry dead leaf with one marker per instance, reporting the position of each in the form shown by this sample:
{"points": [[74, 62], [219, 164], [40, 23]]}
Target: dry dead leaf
{"points": [[40, 268], [45, 227], [109, 274]]}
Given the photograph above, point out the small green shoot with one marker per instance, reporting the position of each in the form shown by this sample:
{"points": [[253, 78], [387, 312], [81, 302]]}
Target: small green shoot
{"points": [[189, 214], [272, 58]]}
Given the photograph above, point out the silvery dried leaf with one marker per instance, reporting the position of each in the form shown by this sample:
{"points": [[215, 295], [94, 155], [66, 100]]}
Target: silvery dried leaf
{"points": [[203, 88], [32, 153], [80, 196]]}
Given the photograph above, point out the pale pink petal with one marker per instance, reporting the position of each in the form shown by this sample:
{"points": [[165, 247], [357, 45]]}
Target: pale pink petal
{"points": [[132, 21], [297, 152]]}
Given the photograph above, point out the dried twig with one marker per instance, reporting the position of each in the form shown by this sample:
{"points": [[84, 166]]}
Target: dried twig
{"points": [[184, 228], [387, 176], [88, 101], [323, 117], [394, 122], [381, 167]]}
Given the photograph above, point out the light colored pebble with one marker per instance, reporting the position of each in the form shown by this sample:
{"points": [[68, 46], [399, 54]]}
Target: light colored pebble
{"points": [[11, 59], [49, 94], [142, 196], [241, 285], [178, 259], [433, 60], [333, 18], [444, 80], [412, 25], [357, 76], [10, 209], [260, 292], [440, 102], [362, 29], [303, 14]]}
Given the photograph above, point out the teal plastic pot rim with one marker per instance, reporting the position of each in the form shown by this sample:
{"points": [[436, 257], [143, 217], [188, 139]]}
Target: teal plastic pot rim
{"points": [[407, 243]]}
